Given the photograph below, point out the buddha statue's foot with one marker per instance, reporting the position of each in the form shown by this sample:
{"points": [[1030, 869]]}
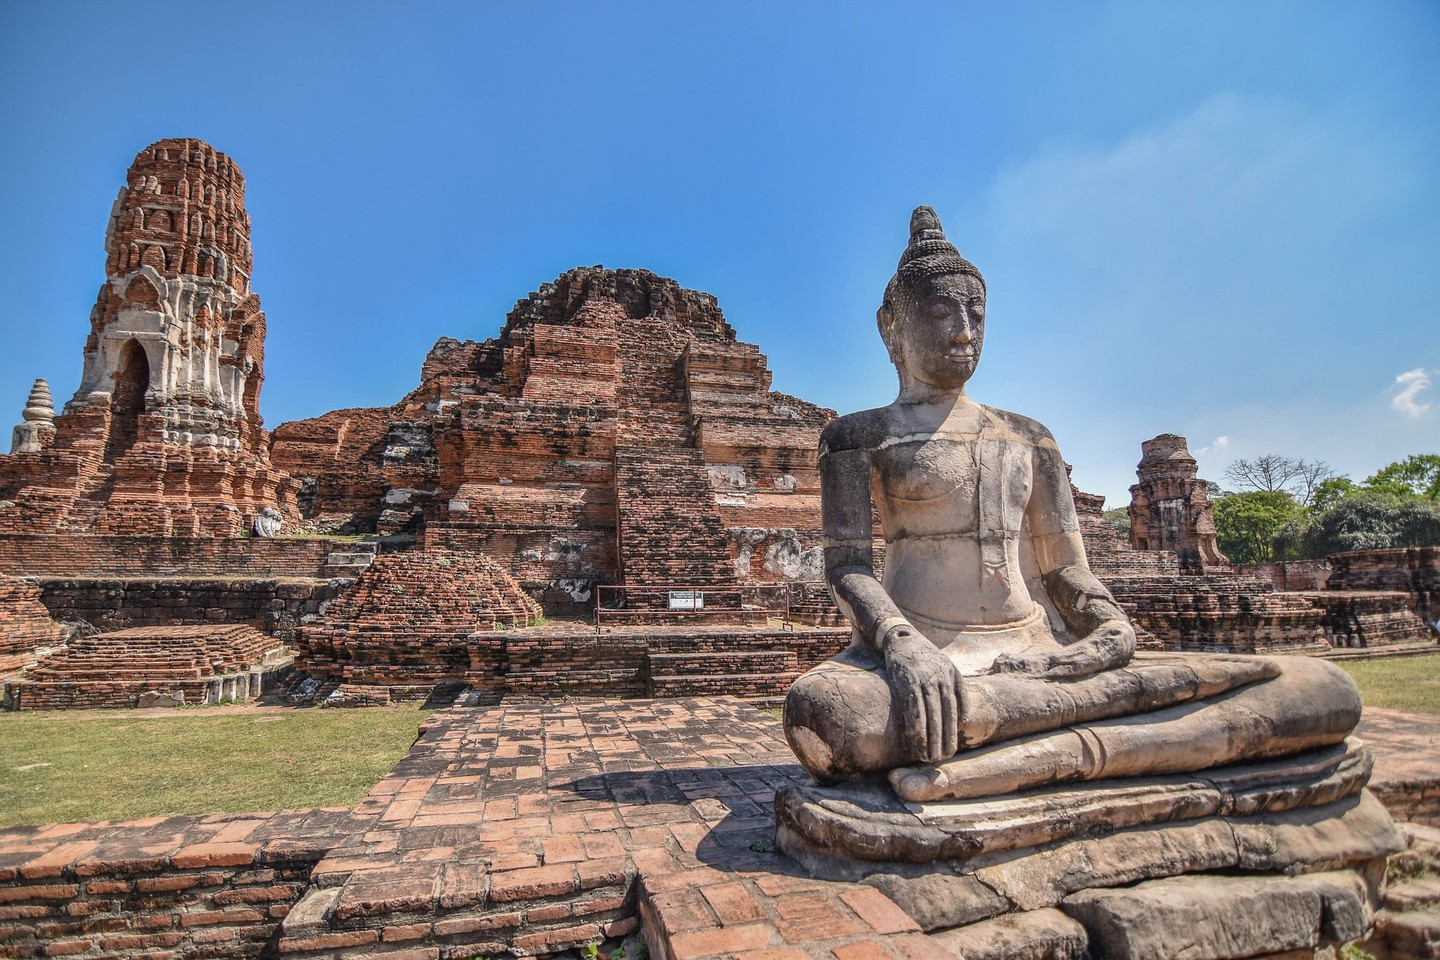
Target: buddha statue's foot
{"points": [[1072, 754]]}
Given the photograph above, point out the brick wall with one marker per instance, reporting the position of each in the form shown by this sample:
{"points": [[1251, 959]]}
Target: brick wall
{"points": [[1290, 574], [275, 607], [24, 623], [61, 555], [214, 886], [198, 664]]}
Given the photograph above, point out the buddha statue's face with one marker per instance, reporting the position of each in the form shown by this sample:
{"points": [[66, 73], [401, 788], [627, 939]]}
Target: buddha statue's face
{"points": [[939, 329]]}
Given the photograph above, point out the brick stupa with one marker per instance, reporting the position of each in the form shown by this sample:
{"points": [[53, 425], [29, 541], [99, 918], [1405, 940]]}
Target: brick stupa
{"points": [[164, 434]]}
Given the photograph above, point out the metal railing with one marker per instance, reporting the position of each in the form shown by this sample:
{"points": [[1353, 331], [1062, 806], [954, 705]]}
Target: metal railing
{"points": [[688, 600]]}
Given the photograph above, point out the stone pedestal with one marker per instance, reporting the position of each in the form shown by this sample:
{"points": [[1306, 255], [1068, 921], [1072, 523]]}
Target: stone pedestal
{"points": [[969, 865]]}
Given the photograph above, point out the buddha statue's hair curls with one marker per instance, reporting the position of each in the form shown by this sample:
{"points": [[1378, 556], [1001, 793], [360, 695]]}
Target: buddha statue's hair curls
{"points": [[928, 255]]}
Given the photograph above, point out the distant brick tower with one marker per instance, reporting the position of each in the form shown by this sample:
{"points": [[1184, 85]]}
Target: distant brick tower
{"points": [[164, 433], [1169, 508]]}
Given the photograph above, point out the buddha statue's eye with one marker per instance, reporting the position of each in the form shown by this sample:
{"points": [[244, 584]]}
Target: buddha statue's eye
{"points": [[939, 309]]}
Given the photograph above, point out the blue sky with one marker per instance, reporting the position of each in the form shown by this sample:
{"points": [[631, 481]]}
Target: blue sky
{"points": [[1220, 220]]}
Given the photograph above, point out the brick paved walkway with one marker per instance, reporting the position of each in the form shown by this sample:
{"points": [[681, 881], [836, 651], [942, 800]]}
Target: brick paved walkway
{"points": [[550, 824]]}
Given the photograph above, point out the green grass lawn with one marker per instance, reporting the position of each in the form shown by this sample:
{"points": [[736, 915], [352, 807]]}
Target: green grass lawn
{"points": [[1405, 683], [64, 766]]}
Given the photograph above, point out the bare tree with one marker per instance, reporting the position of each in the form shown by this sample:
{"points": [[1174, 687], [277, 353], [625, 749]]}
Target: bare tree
{"points": [[1273, 473], [1307, 481]]}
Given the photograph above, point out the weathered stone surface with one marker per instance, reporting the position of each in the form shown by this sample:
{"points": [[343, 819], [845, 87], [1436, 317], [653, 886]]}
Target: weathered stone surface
{"points": [[870, 823], [1046, 934], [164, 433], [1219, 918], [37, 428], [267, 524]]}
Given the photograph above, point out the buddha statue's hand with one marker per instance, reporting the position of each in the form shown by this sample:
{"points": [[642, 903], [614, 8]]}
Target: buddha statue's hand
{"points": [[926, 692], [1108, 646]]}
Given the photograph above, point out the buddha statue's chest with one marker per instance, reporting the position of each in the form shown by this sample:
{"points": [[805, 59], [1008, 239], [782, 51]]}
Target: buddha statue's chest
{"points": [[952, 483]]}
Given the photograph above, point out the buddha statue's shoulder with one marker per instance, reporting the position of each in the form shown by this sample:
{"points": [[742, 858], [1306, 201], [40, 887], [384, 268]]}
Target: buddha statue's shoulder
{"points": [[1019, 427], [863, 430]]}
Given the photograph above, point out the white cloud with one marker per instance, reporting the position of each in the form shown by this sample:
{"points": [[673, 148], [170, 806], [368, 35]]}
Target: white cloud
{"points": [[1220, 443], [1412, 383]]}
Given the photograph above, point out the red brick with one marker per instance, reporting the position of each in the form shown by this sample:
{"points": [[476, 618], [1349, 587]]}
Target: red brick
{"points": [[863, 950], [231, 854], [409, 931], [878, 910], [329, 941], [733, 903], [736, 940], [533, 882]]}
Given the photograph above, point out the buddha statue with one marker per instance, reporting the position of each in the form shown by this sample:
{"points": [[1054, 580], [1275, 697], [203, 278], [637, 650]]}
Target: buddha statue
{"points": [[989, 658], [991, 751]]}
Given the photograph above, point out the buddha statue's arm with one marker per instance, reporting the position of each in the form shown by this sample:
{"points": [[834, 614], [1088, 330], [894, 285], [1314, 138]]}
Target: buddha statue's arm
{"points": [[922, 680], [1103, 635]]}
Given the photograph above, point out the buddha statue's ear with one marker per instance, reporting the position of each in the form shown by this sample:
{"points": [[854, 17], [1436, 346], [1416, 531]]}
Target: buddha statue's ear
{"points": [[885, 320]]}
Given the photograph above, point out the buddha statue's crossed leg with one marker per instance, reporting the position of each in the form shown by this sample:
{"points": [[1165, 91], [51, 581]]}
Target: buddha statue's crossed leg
{"points": [[1311, 703], [840, 723]]}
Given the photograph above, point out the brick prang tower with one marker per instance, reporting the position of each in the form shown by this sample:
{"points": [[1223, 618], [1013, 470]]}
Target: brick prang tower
{"points": [[164, 434], [1170, 509]]}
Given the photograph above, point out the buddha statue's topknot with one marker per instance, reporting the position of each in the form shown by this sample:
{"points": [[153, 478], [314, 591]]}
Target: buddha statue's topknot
{"points": [[928, 255]]}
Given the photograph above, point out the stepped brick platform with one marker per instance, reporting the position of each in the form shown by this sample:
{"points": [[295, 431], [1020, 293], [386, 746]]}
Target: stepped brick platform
{"points": [[522, 829], [179, 664], [25, 624], [274, 607], [1178, 611], [1220, 613], [1369, 619], [1414, 570], [566, 658], [407, 623]]}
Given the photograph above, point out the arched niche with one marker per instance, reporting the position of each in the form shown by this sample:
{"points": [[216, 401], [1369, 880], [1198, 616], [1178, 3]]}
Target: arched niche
{"points": [[127, 400], [142, 292]]}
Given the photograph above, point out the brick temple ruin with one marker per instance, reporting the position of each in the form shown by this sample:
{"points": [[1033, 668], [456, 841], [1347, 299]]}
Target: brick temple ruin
{"points": [[615, 436], [615, 432]]}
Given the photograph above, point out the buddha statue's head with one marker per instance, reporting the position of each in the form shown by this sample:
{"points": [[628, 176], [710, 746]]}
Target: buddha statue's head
{"points": [[933, 316]]}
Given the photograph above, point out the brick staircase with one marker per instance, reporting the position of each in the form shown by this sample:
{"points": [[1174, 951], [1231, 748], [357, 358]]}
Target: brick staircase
{"points": [[762, 673], [669, 529], [757, 666]]}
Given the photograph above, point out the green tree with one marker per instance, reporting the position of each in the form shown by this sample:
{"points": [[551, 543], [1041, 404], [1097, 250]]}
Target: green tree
{"points": [[1246, 524], [1119, 518], [1415, 476], [1369, 520], [1331, 491]]}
